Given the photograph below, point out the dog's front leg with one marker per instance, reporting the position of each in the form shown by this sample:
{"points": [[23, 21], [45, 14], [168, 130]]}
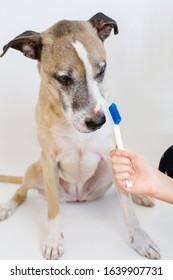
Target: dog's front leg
{"points": [[139, 239], [52, 248]]}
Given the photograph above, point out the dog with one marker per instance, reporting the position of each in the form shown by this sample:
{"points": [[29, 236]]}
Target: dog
{"points": [[74, 132]]}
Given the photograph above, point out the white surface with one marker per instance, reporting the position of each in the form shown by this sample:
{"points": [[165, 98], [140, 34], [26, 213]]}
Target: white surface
{"points": [[92, 230], [140, 76]]}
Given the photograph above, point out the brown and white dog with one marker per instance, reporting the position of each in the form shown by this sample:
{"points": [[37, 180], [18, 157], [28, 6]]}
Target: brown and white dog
{"points": [[72, 129]]}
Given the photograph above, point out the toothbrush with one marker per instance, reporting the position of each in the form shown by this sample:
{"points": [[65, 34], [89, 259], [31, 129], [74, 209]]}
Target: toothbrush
{"points": [[116, 119]]}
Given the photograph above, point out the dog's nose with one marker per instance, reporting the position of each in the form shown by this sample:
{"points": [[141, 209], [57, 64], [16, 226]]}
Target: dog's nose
{"points": [[95, 123]]}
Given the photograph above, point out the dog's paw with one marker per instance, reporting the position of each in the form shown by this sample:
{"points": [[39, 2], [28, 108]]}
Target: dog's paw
{"points": [[53, 247], [143, 244], [7, 209], [143, 200]]}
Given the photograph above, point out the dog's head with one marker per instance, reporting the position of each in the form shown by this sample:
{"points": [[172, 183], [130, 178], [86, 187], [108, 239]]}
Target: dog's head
{"points": [[72, 64]]}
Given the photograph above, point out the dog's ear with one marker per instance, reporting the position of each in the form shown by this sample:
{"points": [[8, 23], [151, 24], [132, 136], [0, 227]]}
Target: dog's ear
{"points": [[104, 25], [29, 43]]}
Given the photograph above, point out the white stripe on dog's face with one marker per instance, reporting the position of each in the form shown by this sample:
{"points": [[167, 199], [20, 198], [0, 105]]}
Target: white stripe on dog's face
{"points": [[82, 53], [93, 88]]}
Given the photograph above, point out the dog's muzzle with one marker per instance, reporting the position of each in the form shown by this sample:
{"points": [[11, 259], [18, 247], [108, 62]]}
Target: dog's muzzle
{"points": [[95, 123]]}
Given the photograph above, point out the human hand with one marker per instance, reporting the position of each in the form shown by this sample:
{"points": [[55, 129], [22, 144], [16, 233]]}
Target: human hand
{"points": [[127, 165]]}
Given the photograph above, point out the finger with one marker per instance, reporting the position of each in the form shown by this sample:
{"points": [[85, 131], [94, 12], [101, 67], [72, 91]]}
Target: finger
{"points": [[122, 168], [121, 184], [122, 177], [121, 160], [124, 187], [120, 153]]}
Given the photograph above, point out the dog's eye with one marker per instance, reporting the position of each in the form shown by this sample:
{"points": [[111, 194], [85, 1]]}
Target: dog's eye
{"points": [[99, 76], [64, 80]]}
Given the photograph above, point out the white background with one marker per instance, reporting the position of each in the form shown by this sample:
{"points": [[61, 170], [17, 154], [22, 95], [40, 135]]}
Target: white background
{"points": [[140, 76]]}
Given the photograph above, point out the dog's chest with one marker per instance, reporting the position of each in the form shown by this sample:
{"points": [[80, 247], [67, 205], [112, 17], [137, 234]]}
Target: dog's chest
{"points": [[80, 153]]}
